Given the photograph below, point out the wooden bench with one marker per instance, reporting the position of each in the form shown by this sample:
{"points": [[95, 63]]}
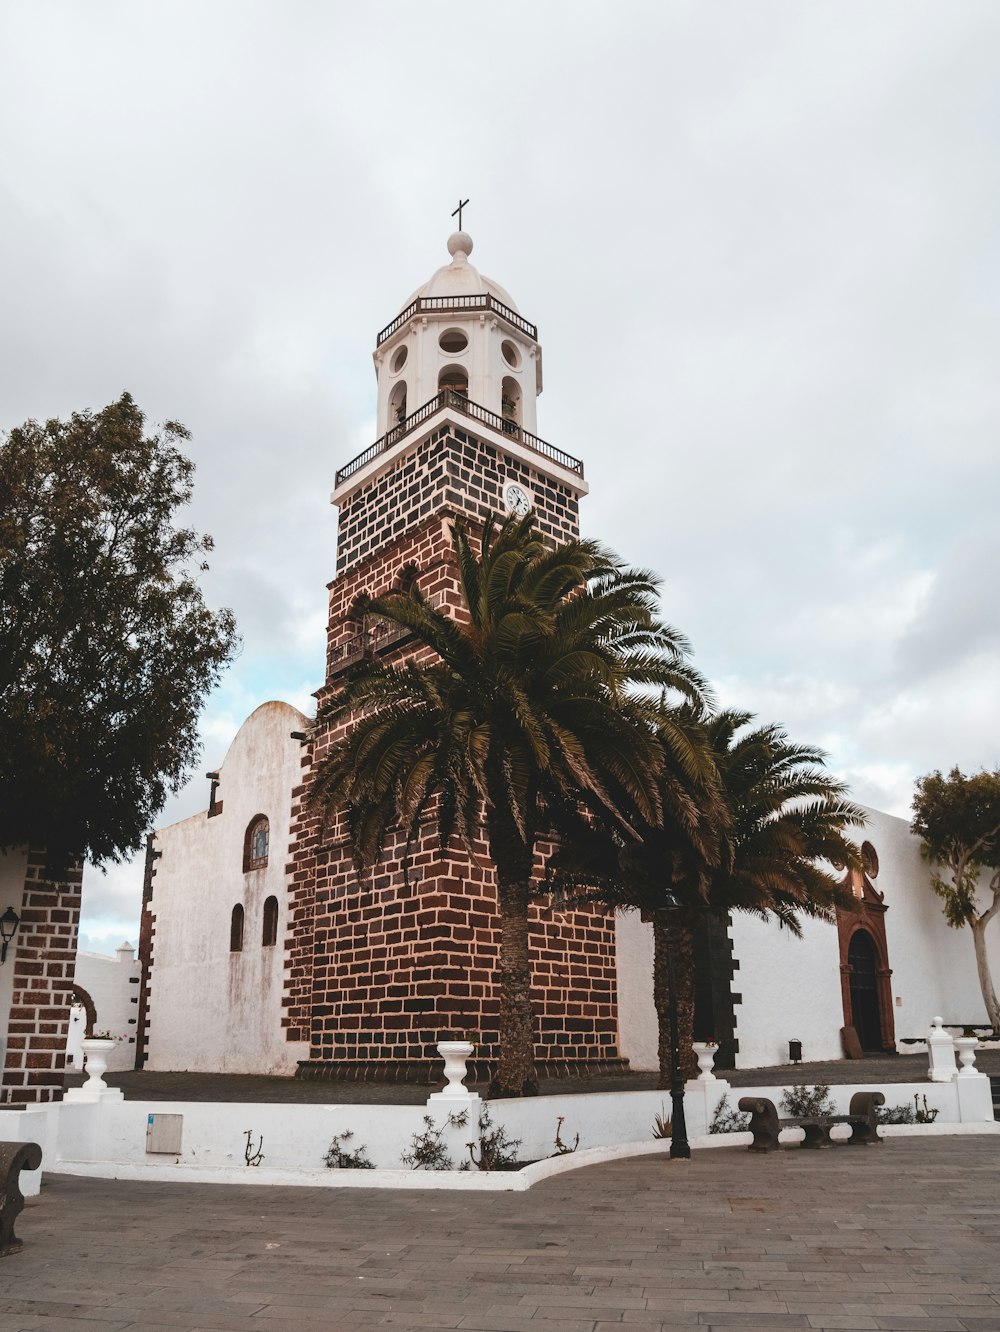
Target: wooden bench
{"points": [[766, 1124], [14, 1157]]}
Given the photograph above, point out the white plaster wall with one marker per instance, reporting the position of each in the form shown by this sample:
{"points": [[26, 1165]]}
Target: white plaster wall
{"points": [[637, 1031], [791, 991], [113, 984], [13, 865], [210, 1009], [791, 987], [933, 966], [482, 361]]}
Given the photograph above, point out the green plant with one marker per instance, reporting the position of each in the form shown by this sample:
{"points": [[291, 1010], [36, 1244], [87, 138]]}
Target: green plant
{"points": [[427, 1151], [562, 1148], [725, 1120], [895, 1114], [103, 1036], [663, 1125], [802, 1102], [495, 1150], [924, 1114], [337, 1158]]}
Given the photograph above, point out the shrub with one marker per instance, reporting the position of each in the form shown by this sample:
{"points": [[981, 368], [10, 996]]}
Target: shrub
{"points": [[802, 1102], [493, 1150], [427, 1151], [339, 1158], [726, 1120]]}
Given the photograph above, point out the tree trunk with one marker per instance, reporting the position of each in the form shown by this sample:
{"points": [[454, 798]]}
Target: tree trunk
{"points": [[515, 1072], [676, 928], [983, 968]]}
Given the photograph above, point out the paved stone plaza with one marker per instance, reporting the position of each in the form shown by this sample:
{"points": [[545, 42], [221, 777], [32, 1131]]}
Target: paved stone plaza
{"points": [[904, 1236]]}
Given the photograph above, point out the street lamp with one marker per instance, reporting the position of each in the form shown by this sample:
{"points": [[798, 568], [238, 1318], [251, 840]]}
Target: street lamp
{"points": [[680, 1148], [9, 922]]}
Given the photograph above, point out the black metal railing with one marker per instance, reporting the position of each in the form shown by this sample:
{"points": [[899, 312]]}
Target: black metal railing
{"points": [[432, 304], [460, 403], [373, 637]]}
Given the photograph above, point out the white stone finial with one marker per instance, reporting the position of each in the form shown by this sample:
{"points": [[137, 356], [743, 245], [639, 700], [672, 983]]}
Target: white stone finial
{"points": [[460, 243]]}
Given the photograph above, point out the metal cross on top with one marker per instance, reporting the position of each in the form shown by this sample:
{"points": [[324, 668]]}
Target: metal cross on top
{"points": [[462, 203]]}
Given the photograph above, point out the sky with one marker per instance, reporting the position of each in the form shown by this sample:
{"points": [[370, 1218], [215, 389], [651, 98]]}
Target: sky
{"points": [[761, 242]]}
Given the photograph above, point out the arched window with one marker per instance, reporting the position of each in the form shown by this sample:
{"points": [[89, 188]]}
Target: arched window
{"points": [[455, 379], [236, 930], [270, 935], [255, 843], [397, 404], [409, 577], [510, 403]]}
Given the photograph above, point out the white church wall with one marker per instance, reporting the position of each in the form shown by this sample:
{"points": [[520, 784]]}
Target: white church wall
{"points": [[791, 988], [212, 1009], [933, 966], [637, 1028], [791, 991], [13, 865], [113, 984]]}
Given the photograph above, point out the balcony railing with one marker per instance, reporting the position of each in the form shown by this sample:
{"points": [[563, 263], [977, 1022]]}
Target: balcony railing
{"points": [[435, 304], [460, 403]]}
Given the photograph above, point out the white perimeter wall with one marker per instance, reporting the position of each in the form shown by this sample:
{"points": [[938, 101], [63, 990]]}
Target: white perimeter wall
{"points": [[791, 987], [113, 984], [212, 1010]]}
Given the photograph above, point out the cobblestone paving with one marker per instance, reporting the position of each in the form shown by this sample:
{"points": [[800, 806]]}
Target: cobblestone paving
{"points": [[250, 1088], [904, 1236]]}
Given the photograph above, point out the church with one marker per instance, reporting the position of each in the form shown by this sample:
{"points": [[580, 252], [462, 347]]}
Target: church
{"points": [[263, 950]]}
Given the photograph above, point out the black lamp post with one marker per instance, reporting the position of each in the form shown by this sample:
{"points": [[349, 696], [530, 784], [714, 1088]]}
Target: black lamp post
{"points": [[680, 1148], [9, 922]]}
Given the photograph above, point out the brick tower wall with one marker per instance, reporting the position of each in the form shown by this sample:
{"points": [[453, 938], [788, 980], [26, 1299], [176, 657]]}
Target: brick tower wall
{"points": [[44, 963], [383, 964]]}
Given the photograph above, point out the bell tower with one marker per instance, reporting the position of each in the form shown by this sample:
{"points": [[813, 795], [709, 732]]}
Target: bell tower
{"points": [[460, 331], [382, 965], [459, 371]]}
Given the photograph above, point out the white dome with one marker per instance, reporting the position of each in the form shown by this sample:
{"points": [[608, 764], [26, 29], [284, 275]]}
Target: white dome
{"points": [[459, 278]]}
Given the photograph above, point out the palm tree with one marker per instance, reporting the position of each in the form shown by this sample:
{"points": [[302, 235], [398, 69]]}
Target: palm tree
{"points": [[536, 704], [767, 839]]}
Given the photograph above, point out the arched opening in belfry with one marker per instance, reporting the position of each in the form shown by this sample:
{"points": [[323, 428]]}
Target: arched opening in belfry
{"points": [[510, 402], [397, 404], [454, 379]]}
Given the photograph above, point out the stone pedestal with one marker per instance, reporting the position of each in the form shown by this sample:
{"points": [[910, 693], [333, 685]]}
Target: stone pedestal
{"points": [[940, 1053]]}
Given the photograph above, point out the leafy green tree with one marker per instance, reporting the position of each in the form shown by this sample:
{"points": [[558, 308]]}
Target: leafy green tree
{"points": [[958, 818], [107, 648], [533, 704], [761, 835]]}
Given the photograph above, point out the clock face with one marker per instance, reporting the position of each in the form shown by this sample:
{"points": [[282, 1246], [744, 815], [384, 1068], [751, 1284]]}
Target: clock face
{"points": [[516, 499]]}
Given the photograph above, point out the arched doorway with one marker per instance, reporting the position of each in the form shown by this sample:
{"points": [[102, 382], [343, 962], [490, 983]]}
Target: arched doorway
{"points": [[866, 1016], [865, 974]]}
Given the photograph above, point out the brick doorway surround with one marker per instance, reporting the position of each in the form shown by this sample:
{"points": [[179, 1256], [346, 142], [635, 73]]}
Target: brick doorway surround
{"points": [[869, 917]]}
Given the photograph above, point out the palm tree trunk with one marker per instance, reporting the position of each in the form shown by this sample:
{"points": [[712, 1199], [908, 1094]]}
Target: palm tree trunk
{"points": [[674, 928], [515, 1072]]}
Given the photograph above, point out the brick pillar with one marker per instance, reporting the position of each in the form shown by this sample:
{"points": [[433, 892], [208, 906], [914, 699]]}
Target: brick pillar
{"points": [[44, 963], [146, 932]]}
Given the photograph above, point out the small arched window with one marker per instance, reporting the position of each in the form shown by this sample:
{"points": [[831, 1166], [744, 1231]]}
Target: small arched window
{"points": [[455, 379], [397, 404], [255, 843], [510, 403], [236, 930], [270, 934], [409, 577]]}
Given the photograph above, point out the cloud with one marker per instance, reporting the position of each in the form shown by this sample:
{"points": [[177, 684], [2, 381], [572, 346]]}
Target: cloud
{"points": [[761, 252]]}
